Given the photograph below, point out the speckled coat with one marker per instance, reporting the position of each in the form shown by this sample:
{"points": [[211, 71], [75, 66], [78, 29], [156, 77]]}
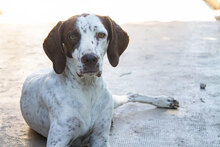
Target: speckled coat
{"points": [[71, 103]]}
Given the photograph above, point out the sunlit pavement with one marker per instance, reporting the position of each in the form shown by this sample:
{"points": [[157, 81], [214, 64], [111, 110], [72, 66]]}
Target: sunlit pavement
{"points": [[123, 11], [171, 57]]}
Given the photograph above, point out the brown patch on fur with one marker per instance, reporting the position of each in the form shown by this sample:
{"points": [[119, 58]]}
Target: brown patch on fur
{"points": [[70, 29], [118, 40], [57, 44], [53, 48]]}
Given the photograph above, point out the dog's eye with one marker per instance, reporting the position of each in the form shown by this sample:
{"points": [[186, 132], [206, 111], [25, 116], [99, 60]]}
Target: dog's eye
{"points": [[72, 37], [101, 35]]}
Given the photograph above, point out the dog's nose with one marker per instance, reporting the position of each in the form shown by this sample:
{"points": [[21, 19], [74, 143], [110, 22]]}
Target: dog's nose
{"points": [[89, 59]]}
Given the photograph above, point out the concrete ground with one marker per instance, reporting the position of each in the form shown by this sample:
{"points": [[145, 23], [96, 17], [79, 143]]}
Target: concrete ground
{"points": [[163, 58]]}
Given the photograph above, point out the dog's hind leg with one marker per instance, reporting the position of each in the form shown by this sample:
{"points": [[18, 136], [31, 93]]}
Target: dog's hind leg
{"points": [[158, 101]]}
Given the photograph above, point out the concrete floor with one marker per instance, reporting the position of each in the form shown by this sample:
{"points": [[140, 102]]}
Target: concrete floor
{"points": [[169, 58]]}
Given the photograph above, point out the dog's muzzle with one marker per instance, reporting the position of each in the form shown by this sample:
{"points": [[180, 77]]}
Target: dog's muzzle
{"points": [[90, 65]]}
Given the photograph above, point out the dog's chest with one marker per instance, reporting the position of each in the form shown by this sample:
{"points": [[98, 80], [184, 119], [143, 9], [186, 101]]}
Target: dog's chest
{"points": [[91, 102], [87, 104]]}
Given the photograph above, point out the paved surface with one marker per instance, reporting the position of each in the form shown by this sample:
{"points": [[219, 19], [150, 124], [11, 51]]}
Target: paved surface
{"points": [[162, 59]]}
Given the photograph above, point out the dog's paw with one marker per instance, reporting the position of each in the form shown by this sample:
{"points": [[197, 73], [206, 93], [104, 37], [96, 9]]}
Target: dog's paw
{"points": [[166, 102], [173, 103]]}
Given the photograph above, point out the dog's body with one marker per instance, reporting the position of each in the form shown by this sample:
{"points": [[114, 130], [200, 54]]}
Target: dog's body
{"points": [[72, 101], [71, 108]]}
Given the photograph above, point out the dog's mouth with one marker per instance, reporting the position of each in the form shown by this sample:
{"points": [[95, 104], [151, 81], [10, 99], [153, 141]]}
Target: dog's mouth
{"points": [[89, 73]]}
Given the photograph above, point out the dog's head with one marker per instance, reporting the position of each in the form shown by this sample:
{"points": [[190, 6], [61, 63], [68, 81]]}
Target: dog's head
{"points": [[84, 40]]}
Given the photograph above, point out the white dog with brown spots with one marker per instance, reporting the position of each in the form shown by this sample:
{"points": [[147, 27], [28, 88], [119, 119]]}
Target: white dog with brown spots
{"points": [[71, 103]]}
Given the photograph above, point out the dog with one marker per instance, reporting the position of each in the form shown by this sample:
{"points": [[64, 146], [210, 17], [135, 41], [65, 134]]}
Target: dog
{"points": [[71, 103]]}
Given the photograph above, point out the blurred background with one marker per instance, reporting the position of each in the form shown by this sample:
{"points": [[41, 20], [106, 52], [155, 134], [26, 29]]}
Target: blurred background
{"points": [[123, 11]]}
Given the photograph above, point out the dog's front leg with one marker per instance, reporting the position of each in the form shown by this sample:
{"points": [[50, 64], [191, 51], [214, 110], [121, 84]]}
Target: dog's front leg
{"points": [[61, 134], [101, 130], [100, 136], [101, 140]]}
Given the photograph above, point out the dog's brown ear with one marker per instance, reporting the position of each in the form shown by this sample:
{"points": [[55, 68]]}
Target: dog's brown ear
{"points": [[53, 48], [118, 40]]}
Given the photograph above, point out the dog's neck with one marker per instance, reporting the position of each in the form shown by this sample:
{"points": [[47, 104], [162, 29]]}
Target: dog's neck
{"points": [[71, 73]]}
